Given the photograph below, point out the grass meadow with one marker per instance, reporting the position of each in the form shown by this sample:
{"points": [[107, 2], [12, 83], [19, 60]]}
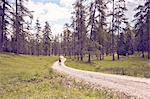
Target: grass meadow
{"points": [[31, 77], [131, 65]]}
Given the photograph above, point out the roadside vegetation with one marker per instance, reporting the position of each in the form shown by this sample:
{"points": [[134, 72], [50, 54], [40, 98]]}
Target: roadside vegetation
{"points": [[131, 65], [29, 77]]}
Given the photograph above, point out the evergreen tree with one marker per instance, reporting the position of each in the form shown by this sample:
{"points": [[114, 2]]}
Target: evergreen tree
{"points": [[113, 42], [120, 18], [122, 46], [67, 40], [4, 22], [129, 39], [38, 38], [101, 25], [47, 38], [21, 11], [80, 28], [147, 25], [92, 25], [140, 29], [56, 46]]}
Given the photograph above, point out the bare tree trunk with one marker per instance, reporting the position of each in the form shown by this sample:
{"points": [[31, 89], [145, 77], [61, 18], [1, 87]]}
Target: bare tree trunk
{"points": [[78, 57], [118, 56], [1, 29], [102, 53], [148, 31], [113, 55], [118, 42], [100, 56], [89, 56], [149, 46], [81, 46], [97, 56], [81, 56], [143, 53], [2, 24], [142, 42], [17, 30]]}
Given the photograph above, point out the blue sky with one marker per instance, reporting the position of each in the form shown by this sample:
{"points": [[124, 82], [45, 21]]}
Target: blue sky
{"points": [[58, 12], [46, 1]]}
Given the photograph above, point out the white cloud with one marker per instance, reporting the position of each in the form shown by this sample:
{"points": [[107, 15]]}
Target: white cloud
{"points": [[67, 3], [131, 5], [136, 1], [55, 14], [58, 14]]}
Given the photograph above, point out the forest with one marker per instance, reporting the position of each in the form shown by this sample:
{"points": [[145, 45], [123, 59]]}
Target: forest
{"points": [[93, 31], [102, 53]]}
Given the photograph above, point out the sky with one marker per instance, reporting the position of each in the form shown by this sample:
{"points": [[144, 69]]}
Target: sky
{"points": [[58, 12]]}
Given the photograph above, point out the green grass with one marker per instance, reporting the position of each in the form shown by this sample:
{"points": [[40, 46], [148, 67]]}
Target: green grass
{"points": [[31, 77], [131, 66]]}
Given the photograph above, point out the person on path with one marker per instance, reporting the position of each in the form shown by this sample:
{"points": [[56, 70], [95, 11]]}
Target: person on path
{"points": [[59, 61]]}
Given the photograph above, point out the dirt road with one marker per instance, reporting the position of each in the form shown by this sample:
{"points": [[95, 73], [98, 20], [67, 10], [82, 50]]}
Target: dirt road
{"points": [[132, 86]]}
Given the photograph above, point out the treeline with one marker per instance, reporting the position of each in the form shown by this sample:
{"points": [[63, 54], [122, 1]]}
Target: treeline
{"points": [[95, 30], [15, 31]]}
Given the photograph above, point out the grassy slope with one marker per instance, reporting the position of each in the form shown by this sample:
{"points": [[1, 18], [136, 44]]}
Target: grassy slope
{"points": [[132, 66], [31, 77]]}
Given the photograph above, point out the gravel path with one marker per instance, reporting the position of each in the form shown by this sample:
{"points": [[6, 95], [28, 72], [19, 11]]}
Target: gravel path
{"points": [[132, 86]]}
